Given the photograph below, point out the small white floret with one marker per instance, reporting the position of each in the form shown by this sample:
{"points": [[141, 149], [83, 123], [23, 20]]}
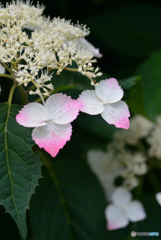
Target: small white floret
{"points": [[123, 209]]}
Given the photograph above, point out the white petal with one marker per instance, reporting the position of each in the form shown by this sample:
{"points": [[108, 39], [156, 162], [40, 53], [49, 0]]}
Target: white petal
{"points": [[109, 90], [83, 43], [117, 114], [115, 218], [52, 137], [158, 197], [135, 211], [90, 103], [32, 115], [61, 108], [2, 69], [121, 197]]}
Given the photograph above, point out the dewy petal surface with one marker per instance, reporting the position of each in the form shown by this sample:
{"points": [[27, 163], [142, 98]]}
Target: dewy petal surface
{"points": [[109, 90], [52, 137], [61, 108], [135, 211], [121, 197], [115, 218], [90, 103], [32, 115], [83, 43], [117, 114]]}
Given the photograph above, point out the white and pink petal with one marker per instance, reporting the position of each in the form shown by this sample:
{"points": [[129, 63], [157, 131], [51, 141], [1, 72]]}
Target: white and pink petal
{"points": [[135, 211], [117, 114], [61, 108], [32, 115], [90, 103], [115, 218], [109, 91], [52, 137]]}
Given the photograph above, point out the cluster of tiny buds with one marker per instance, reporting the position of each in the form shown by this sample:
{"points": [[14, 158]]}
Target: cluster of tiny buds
{"points": [[53, 45]]}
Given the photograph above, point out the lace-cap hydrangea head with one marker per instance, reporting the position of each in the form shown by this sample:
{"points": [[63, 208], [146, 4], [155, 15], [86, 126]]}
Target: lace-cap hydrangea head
{"points": [[52, 47]]}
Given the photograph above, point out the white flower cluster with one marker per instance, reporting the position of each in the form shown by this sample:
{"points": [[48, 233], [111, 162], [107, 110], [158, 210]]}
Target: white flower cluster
{"points": [[127, 157], [142, 128], [49, 45], [129, 164], [155, 140]]}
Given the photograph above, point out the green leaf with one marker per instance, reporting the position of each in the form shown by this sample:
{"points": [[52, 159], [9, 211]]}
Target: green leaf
{"points": [[20, 168], [132, 30], [73, 80], [128, 83], [70, 80], [150, 71], [69, 204], [96, 124], [133, 94], [135, 101]]}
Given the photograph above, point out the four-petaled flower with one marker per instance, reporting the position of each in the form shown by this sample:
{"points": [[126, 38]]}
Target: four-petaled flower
{"points": [[52, 121], [105, 100], [123, 210]]}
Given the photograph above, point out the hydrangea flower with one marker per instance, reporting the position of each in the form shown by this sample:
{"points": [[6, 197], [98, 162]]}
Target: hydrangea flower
{"points": [[52, 121], [123, 210], [106, 100]]}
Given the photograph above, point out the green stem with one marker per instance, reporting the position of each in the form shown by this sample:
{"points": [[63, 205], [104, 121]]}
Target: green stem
{"points": [[66, 87], [71, 69], [93, 81], [23, 94], [7, 76], [31, 88], [140, 187], [11, 93], [40, 94], [5, 65]]}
